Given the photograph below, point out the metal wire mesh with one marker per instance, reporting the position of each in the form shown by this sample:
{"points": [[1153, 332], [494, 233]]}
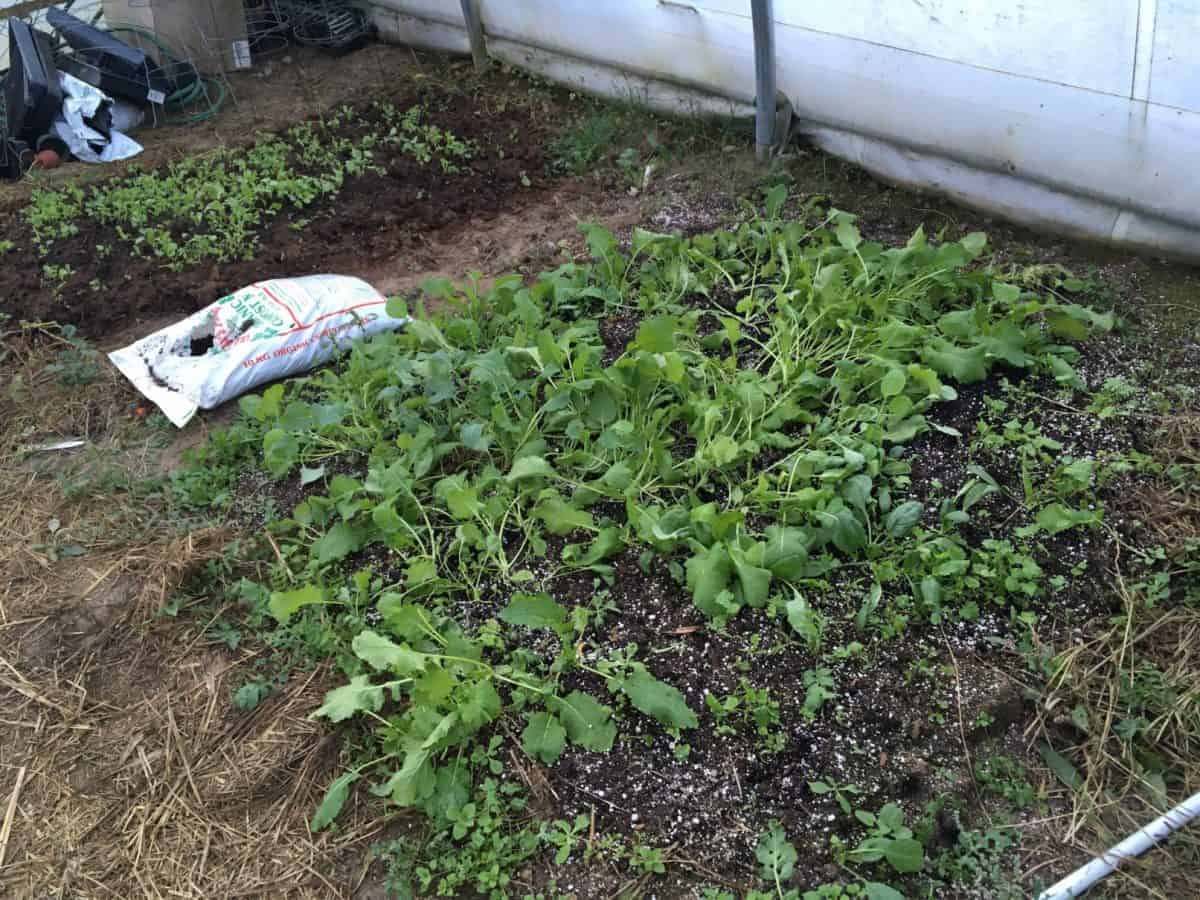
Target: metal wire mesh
{"points": [[330, 24]]}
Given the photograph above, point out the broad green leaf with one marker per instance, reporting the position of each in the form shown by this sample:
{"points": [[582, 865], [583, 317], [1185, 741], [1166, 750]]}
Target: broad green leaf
{"points": [[658, 699], [879, 891], [452, 791], [589, 724], [280, 451], [479, 705], [1064, 374], [472, 437], [643, 238], [974, 243], [804, 622], [657, 334], [965, 365], [338, 542], [905, 855], [786, 553], [976, 492], [775, 854], [871, 850], [397, 307], [534, 611], [544, 737], [708, 575], [903, 518], [891, 817], [530, 467], [1005, 293], [848, 534], [562, 518], [1007, 342], [857, 491], [308, 476], [357, 696], [384, 656], [461, 498], [432, 687], [463, 503], [414, 783], [847, 235], [284, 604], [1063, 770], [606, 543], [618, 476], [775, 199], [600, 240], [440, 731], [931, 591], [869, 605], [420, 570], [893, 383], [404, 619], [1056, 517], [335, 799], [265, 406], [753, 582], [1066, 326], [722, 450], [904, 430], [1079, 473]]}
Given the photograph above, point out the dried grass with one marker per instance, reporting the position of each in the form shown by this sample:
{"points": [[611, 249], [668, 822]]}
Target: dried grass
{"points": [[1143, 667], [140, 778], [1172, 514], [1178, 439]]}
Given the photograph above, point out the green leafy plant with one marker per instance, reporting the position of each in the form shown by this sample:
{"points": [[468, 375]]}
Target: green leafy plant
{"points": [[78, 362], [776, 856], [748, 438], [888, 839], [564, 837], [841, 793], [581, 147], [213, 205], [752, 709]]}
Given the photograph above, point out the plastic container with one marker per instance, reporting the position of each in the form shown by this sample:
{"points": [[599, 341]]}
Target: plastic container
{"points": [[107, 63], [33, 95]]}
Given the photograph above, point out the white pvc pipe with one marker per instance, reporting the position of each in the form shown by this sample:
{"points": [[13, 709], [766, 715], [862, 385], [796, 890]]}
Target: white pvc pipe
{"points": [[1133, 846]]}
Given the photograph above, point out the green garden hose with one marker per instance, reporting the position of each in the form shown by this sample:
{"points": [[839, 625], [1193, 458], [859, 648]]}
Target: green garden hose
{"points": [[182, 97]]}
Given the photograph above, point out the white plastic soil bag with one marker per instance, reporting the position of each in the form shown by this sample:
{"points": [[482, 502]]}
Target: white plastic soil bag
{"points": [[266, 331]]}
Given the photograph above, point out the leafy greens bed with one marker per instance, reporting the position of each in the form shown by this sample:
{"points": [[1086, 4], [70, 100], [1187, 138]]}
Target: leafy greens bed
{"points": [[751, 434]]}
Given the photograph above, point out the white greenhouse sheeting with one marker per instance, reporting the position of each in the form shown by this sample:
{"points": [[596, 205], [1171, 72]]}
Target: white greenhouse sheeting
{"points": [[1074, 115]]}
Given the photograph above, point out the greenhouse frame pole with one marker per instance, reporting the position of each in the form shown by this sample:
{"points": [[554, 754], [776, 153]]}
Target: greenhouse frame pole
{"points": [[474, 21], [764, 76]]}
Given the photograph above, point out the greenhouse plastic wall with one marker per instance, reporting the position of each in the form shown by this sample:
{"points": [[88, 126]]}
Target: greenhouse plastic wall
{"points": [[1072, 115]]}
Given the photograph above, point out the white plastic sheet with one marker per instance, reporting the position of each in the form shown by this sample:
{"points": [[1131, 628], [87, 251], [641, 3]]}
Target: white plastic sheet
{"points": [[81, 101]]}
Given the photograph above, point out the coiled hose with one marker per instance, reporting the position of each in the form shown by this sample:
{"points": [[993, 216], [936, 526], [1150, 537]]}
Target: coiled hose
{"points": [[190, 86]]}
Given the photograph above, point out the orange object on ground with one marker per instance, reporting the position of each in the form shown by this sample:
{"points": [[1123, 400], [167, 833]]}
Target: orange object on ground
{"points": [[46, 159]]}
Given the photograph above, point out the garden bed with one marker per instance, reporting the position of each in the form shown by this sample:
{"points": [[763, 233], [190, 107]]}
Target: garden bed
{"points": [[343, 193], [757, 551], [779, 537]]}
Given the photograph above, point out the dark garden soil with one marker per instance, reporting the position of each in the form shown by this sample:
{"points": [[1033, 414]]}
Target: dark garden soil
{"points": [[373, 218]]}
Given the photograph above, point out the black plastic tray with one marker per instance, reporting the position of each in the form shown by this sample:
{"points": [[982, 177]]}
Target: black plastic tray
{"points": [[33, 95]]}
